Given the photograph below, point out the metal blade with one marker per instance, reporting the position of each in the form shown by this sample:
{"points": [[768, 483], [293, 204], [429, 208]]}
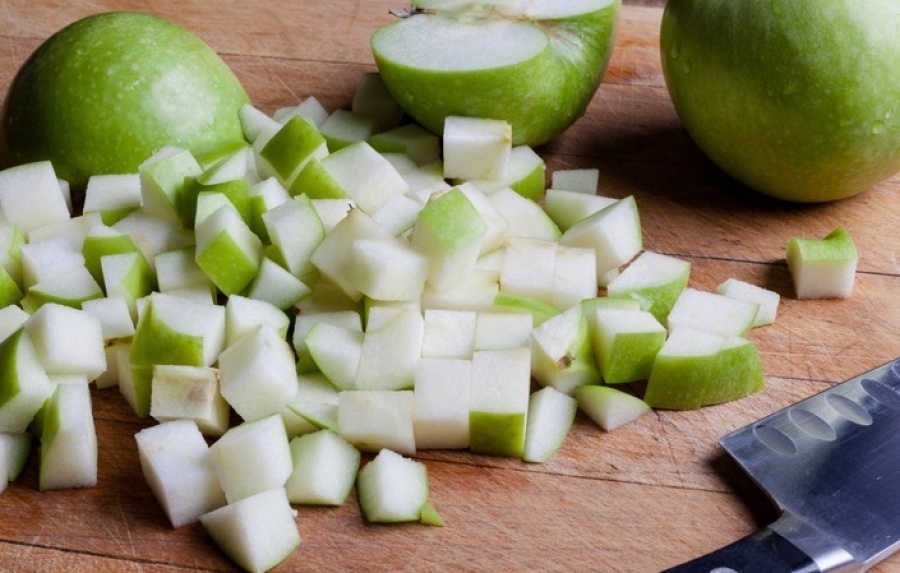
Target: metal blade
{"points": [[833, 461]]}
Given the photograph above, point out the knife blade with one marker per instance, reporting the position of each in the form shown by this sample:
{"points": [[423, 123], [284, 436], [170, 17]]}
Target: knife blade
{"points": [[831, 465]]}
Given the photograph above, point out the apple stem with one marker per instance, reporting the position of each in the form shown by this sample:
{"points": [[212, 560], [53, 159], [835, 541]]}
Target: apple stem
{"points": [[412, 11]]}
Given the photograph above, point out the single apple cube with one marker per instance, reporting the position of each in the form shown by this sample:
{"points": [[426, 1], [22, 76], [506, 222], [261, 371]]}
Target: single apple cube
{"points": [[574, 276], [411, 139], [768, 300], [625, 343], [441, 414], [614, 233], [24, 384], [102, 241], [694, 364], [525, 174], [390, 352], [551, 414], [426, 181], [364, 175], [67, 340], [312, 388], [252, 457], [566, 208], [68, 440], [449, 333], [332, 256], [344, 128], [376, 419], [258, 374], [189, 393], [127, 276], [288, 150], [499, 330], [295, 229], [582, 181], [392, 488], [236, 163], [476, 148], [325, 469], [387, 269], [177, 269], [163, 179], [450, 231], [257, 532], [497, 225], [498, 403], [655, 279], [525, 217], [275, 285], [712, 312], [263, 196], [336, 352], [177, 465], [14, 452], [823, 268], [398, 214], [24, 186], [303, 323], [243, 315], [609, 407], [112, 195], [227, 250], [561, 355]]}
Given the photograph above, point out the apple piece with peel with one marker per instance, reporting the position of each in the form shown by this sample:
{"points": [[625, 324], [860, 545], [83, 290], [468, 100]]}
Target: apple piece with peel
{"points": [[625, 343], [67, 340], [303, 324], [823, 268], [189, 393], [392, 488], [336, 351], [69, 288], [610, 407], [295, 229], [257, 532], [712, 312], [112, 196], [24, 186], [535, 65], [24, 384], [768, 300], [252, 457], [613, 232], [566, 207], [287, 150], [12, 318], [498, 401], [177, 465], [551, 414], [656, 280], [561, 355], [68, 440], [695, 368], [325, 469], [376, 419], [14, 452], [525, 217], [227, 250], [441, 414], [526, 174], [450, 231], [244, 315]]}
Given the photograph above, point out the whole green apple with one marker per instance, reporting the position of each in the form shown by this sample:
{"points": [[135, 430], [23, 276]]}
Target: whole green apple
{"points": [[104, 93], [797, 99], [533, 64]]}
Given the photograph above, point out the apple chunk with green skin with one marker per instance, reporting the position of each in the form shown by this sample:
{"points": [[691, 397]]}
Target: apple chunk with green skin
{"points": [[535, 65], [392, 488], [551, 414], [609, 407], [625, 343], [325, 469], [498, 401], [750, 93], [24, 385], [561, 355], [68, 439], [823, 268], [152, 84]]}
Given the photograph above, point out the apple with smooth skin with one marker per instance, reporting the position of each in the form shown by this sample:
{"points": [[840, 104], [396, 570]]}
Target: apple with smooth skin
{"points": [[535, 65], [153, 83], [794, 99]]}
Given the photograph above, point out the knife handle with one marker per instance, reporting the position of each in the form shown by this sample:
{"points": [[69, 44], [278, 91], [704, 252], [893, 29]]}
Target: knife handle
{"points": [[762, 552]]}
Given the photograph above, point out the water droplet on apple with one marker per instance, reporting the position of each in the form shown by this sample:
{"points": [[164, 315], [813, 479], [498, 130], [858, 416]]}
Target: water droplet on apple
{"points": [[877, 126], [675, 50], [686, 67]]}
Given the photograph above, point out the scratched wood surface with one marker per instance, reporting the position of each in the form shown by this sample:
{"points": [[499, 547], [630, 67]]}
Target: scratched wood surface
{"points": [[642, 498]]}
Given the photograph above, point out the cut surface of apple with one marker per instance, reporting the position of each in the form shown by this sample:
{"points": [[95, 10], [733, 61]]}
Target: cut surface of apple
{"points": [[533, 64]]}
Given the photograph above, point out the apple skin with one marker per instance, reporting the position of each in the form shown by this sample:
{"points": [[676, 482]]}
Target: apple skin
{"points": [[540, 97], [104, 93], [794, 99]]}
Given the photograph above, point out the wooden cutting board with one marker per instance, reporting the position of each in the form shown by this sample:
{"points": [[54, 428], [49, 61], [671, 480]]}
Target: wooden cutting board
{"points": [[647, 496]]}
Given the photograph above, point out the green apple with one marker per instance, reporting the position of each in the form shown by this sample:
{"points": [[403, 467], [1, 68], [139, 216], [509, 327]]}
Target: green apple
{"points": [[535, 65], [823, 268], [795, 99], [24, 385], [152, 84]]}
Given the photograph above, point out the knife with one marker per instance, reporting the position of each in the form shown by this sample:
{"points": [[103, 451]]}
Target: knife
{"points": [[831, 465]]}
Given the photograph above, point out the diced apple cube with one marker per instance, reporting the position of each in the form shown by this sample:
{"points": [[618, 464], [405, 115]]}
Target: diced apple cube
{"points": [[252, 457], [823, 268], [441, 415], [325, 469]]}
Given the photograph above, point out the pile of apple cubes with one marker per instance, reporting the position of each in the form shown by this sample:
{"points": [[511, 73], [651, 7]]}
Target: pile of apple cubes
{"points": [[343, 283]]}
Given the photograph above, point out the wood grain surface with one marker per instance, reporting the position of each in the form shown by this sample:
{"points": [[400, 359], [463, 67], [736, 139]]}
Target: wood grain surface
{"points": [[647, 496]]}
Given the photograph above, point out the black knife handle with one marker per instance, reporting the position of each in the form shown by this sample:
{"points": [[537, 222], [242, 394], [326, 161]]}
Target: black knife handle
{"points": [[762, 552]]}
